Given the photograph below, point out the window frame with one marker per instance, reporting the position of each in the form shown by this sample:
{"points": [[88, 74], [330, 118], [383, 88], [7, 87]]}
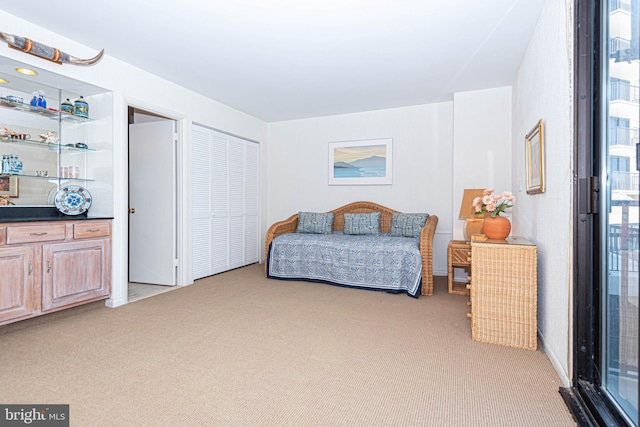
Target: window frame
{"points": [[585, 398]]}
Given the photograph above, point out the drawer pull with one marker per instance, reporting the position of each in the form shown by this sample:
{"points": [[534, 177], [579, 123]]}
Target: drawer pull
{"points": [[469, 315], [468, 259], [42, 233], [468, 303], [93, 230], [468, 285], [48, 266], [30, 267], [469, 278]]}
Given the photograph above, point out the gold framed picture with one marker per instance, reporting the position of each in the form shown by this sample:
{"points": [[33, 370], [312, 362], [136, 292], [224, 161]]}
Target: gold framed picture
{"points": [[534, 152], [9, 185]]}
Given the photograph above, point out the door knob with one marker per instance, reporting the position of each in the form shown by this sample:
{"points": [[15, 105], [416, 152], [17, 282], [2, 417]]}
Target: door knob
{"points": [[132, 210]]}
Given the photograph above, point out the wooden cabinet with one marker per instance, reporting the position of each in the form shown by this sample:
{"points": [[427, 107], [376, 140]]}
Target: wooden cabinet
{"points": [[74, 272], [504, 293], [48, 266], [16, 283]]}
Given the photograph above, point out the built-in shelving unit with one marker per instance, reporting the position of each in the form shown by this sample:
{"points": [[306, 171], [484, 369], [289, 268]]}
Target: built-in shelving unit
{"points": [[26, 131]]}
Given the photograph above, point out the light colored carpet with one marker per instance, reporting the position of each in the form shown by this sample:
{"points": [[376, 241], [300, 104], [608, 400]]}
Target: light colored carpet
{"points": [[237, 349]]}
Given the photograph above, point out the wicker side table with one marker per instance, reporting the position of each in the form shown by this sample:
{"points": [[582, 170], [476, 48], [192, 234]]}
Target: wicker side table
{"points": [[504, 293], [458, 255]]}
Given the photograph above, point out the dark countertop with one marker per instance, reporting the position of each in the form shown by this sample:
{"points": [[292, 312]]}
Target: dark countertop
{"points": [[60, 218], [33, 214]]}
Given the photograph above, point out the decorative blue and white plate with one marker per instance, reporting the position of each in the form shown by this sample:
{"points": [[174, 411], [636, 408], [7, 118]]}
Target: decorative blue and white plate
{"points": [[73, 200]]}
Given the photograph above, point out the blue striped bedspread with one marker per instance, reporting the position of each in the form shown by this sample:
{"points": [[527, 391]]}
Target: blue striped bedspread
{"points": [[382, 262]]}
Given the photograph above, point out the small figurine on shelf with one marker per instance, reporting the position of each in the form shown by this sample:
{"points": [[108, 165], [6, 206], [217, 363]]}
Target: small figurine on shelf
{"points": [[6, 132], [68, 107], [38, 99], [82, 108], [49, 137], [42, 102]]}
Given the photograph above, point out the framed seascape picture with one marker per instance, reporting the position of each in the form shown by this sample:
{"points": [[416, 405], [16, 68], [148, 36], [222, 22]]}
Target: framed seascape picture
{"points": [[534, 152], [366, 162], [9, 186]]}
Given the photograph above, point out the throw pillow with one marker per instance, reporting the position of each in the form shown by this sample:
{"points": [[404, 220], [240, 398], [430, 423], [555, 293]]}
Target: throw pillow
{"points": [[408, 224], [362, 223], [315, 223]]}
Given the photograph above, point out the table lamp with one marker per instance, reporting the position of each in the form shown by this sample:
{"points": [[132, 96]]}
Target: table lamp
{"points": [[472, 221]]}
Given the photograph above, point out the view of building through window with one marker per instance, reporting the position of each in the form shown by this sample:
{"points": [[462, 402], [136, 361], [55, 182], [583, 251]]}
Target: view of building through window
{"points": [[620, 293]]}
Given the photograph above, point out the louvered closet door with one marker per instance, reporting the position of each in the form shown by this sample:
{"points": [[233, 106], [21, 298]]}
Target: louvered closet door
{"points": [[251, 200], [236, 202], [201, 203], [227, 236], [220, 202]]}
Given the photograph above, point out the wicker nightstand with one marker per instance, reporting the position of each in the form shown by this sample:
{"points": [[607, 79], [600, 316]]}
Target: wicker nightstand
{"points": [[458, 255], [504, 293]]}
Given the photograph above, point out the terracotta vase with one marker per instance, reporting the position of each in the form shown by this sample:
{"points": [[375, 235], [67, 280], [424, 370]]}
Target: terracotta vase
{"points": [[496, 228]]}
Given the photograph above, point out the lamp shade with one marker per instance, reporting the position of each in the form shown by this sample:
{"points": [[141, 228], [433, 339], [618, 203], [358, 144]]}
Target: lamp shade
{"points": [[466, 207]]}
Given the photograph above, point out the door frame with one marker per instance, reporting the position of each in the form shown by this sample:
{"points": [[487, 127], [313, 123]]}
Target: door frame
{"points": [[584, 398], [170, 126], [120, 233]]}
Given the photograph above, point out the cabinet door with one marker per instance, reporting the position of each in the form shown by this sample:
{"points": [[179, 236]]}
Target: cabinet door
{"points": [[16, 282], [75, 272]]}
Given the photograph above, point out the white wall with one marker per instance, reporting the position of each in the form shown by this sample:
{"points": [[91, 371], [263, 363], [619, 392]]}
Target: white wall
{"points": [[422, 153], [481, 145], [132, 86], [544, 90]]}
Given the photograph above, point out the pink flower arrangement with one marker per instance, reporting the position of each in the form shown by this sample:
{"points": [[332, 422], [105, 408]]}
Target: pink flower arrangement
{"points": [[493, 203], [6, 201]]}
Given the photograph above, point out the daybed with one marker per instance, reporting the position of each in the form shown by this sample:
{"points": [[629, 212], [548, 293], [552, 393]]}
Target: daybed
{"points": [[370, 255]]}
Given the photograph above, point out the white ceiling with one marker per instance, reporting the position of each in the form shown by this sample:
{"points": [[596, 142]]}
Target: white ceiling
{"points": [[289, 59]]}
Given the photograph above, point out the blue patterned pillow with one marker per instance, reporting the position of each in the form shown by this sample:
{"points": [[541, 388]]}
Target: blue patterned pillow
{"points": [[408, 224], [315, 223], [362, 223]]}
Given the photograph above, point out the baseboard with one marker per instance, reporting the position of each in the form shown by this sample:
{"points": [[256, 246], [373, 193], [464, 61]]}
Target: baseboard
{"points": [[113, 303], [554, 360]]}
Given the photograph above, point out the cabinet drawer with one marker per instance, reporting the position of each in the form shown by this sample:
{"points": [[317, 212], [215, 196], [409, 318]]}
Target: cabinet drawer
{"points": [[36, 233], [91, 229]]}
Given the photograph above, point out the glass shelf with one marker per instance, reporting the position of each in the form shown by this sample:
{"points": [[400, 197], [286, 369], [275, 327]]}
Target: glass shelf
{"points": [[41, 144], [47, 112], [50, 178]]}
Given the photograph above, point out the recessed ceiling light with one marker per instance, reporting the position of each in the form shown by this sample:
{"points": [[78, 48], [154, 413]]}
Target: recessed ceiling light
{"points": [[26, 71], [3, 81]]}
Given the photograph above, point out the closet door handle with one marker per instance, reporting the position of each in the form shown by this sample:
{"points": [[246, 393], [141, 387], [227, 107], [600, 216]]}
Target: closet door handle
{"points": [[48, 266], [30, 267]]}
